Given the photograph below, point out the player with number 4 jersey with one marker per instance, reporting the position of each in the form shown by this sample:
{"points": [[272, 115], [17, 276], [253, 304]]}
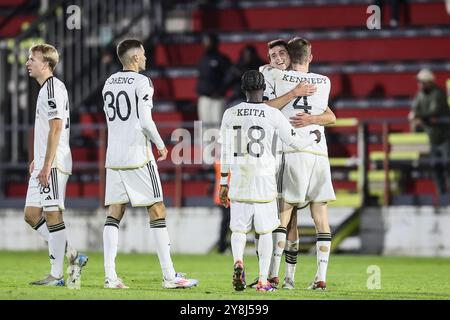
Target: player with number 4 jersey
{"points": [[304, 176], [284, 81]]}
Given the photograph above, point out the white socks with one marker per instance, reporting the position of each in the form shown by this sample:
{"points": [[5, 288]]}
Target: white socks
{"points": [[161, 236], [256, 244], [279, 241], [265, 254], [41, 228], [56, 248], [323, 246], [238, 242], [291, 254], [110, 244]]}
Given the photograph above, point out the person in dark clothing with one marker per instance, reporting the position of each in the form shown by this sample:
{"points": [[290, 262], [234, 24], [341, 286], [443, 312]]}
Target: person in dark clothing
{"points": [[248, 60], [428, 110], [212, 68]]}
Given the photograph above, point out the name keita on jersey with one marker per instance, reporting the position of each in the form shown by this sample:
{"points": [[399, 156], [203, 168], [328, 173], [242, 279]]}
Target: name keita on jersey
{"points": [[251, 112]]}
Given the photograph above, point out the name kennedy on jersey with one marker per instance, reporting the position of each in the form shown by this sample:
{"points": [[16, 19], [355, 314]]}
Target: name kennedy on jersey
{"points": [[294, 79]]}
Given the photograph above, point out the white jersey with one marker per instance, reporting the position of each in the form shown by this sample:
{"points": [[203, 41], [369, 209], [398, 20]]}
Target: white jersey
{"points": [[127, 97], [248, 137], [279, 82], [269, 92], [52, 103]]}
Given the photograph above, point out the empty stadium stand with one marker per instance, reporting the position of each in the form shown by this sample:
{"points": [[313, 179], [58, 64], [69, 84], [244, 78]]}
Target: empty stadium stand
{"points": [[372, 74]]}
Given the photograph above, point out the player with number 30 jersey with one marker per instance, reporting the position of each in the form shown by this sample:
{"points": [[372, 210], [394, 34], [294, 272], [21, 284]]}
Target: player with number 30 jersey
{"points": [[127, 97]]}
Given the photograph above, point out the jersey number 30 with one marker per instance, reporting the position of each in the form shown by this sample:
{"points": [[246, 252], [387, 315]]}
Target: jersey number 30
{"points": [[113, 104]]}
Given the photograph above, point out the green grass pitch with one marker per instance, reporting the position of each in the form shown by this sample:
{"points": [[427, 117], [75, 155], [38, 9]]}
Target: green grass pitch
{"points": [[401, 278]]}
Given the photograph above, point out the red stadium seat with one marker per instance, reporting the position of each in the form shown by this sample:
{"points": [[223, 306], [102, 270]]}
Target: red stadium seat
{"points": [[344, 185], [14, 26], [16, 189], [339, 50], [6, 3], [73, 190], [421, 186], [197, 188], [360, 85], [310, 17], [90, 189], [372, 112]]}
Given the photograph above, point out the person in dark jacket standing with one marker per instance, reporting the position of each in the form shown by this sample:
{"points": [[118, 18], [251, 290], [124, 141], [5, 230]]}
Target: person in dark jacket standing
{"points": [[211, 89], [429, 109]]}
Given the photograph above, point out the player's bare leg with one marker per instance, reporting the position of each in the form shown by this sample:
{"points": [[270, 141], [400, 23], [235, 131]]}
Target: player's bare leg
{"points": [[319, 213], [279, 242], [291, 251], [172, 279], [34, 217], [110, 244]]}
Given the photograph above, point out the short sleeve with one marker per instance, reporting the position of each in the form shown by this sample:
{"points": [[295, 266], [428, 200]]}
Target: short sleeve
{"points": [[56, 101]]}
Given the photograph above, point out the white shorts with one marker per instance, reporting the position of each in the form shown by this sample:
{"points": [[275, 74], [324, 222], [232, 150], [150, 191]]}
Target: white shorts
{"points": [[264, 216], [49, 198], [305, 177], [140, 186]]}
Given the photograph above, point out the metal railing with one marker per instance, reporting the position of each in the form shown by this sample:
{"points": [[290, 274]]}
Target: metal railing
{"points": [[98, 138], [427, 163], [81, 48]]}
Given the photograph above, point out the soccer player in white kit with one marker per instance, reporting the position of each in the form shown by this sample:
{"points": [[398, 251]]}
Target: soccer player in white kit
{"points": [[131, 170], [305, 176], [51, 167], [247, 153], [279, 58]]}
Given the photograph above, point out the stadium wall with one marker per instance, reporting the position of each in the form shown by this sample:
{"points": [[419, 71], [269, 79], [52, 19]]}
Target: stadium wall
{"points": [[400, 231], [192, 230], [406, 231]]}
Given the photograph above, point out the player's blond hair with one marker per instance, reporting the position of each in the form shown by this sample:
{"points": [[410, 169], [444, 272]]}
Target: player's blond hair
{"points": [[49, 54], [299, 50]]}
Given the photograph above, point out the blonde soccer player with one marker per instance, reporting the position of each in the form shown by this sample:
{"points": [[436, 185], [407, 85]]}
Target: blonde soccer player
{"points": [[51, 167]]}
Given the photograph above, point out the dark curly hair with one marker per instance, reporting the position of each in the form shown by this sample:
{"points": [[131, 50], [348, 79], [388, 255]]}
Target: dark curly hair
{"points": [[253, 80]]}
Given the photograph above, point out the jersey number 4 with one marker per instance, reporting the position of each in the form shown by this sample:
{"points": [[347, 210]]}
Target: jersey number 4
{"points": [[304, 106], [113, 105]]}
